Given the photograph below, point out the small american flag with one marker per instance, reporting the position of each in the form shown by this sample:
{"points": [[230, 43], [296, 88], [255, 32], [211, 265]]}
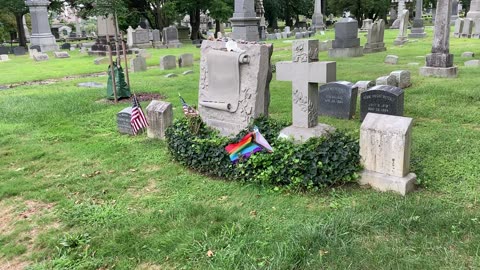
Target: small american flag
{"points": [[187, 109], [138, 121]]}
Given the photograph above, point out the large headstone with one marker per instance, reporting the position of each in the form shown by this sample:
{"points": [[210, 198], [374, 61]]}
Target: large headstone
{"points": [[185, 60], [346, 43], [305, 72], [418, 30], [385, 143], [375, 38], [41, 33], [245, 22], [440, 62], [402, 30], [338, 99], [138, 64], [123, 121], [458, 30], [170, 37], [382, 99], [140, 38], [160, 117], [168, 62], [234, 85], [317, 19], [467, 28]]}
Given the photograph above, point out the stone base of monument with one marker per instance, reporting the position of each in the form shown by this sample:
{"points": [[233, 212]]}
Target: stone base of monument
{"points": [[384, 182], [450, 72], [47, 43], [417, 33], [301, 135], [345, 52], [374, 48], [400, 41], [174, 45], [158, 45]]}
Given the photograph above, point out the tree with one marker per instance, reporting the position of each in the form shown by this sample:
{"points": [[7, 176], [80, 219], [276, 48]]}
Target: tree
{"points": [[220, 11], [18, 9], [362, 9]]}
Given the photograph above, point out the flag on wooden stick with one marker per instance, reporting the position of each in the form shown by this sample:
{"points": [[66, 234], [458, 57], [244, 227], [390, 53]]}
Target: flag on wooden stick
{"points": [[138, 121]]}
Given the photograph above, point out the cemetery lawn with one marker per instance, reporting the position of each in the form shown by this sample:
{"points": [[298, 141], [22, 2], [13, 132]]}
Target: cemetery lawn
{"points": [[75, 194]]}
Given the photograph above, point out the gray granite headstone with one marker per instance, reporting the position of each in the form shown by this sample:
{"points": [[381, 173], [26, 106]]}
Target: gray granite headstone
{"points": [[382, 99], [66, 46], [123, 121], [168, 62], [4, 50], [19, 51], [185, 60], [346, 43], [338, 99], [138, 64], [41, 31]]}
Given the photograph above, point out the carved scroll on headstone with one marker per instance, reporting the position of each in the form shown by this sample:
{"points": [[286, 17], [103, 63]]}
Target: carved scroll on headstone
{"points": [[224, 80]]}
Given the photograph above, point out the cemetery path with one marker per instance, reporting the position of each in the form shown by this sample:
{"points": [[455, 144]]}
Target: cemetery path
{"points": [[52, 81]]}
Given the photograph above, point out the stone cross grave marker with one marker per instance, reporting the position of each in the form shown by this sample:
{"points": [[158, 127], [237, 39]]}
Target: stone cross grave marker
{"points": [[305, 72], [338, 99], [385, 143], [382, 99], [160, 117]]}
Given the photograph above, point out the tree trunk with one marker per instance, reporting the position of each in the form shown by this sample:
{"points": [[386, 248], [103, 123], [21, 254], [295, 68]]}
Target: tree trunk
{"points": [[195, 23], [22, 40], [217, 27]]}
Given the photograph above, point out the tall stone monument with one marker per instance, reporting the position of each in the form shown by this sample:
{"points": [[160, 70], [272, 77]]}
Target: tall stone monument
{"points": [[41, 33], [234, 84], [401, 7], [454, 15], [317, 19], [402, 30], [305, 72], [474, 12], [440, 62], [245, 23], [418, 30], [262, 27], [105, 27]]}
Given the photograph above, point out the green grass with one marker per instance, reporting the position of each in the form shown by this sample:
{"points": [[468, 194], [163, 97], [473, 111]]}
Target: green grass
{"points": [[120, 202]]}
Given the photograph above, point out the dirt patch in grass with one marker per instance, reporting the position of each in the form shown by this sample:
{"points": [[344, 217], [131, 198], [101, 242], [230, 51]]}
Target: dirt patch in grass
{"points": [[14, 212], [52, 81]]}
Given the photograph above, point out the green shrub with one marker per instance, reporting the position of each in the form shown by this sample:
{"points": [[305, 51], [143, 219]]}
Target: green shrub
{"points": [[317, 163]]}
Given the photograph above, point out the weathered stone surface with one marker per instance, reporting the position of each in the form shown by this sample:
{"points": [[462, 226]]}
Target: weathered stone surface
{"points": [[386, 80], [4, 57], [458, 30], [467, 28], [171, 75], [418, 30], [138, 64], [245, 21], [40, 57], [317, 18], [364, 85], [139, 38], [170, 37], [123, 121], [234, 86], [61, 54], [402, 30], [375, 38], [476, 28], [468, 54], [185, 60], [305, 73], [345, 52], [19, 51], [366, 25], [474, 12], [168, 62], [382, 99], [338, 99], [402, 78], [346, 34], [385, 143], [391, 59], [160, 117], [472, 63]]}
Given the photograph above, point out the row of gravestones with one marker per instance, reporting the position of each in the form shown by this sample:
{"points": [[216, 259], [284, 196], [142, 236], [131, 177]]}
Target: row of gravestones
{"points": [[339, 100], [170, 61], [19, 50], [467, 28]]}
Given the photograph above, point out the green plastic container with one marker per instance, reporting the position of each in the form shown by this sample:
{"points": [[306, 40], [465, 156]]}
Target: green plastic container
{"points": [[123, 91]]}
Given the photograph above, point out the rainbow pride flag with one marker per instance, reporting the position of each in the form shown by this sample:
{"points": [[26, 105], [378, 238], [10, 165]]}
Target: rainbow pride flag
{"points": [[252, 143]]}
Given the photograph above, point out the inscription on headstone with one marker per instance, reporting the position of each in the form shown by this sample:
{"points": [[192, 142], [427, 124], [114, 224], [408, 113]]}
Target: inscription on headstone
{"points": [[338, 99], [382, 99], [123, 121], [40, 57]]}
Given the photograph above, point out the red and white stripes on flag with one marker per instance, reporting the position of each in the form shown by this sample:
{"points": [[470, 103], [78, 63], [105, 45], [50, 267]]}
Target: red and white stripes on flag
{"points": [[138, 121]]}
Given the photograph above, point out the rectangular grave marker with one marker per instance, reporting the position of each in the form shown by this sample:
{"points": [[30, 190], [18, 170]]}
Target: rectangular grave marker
{"points": [[338, 99], [382, 99]]}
